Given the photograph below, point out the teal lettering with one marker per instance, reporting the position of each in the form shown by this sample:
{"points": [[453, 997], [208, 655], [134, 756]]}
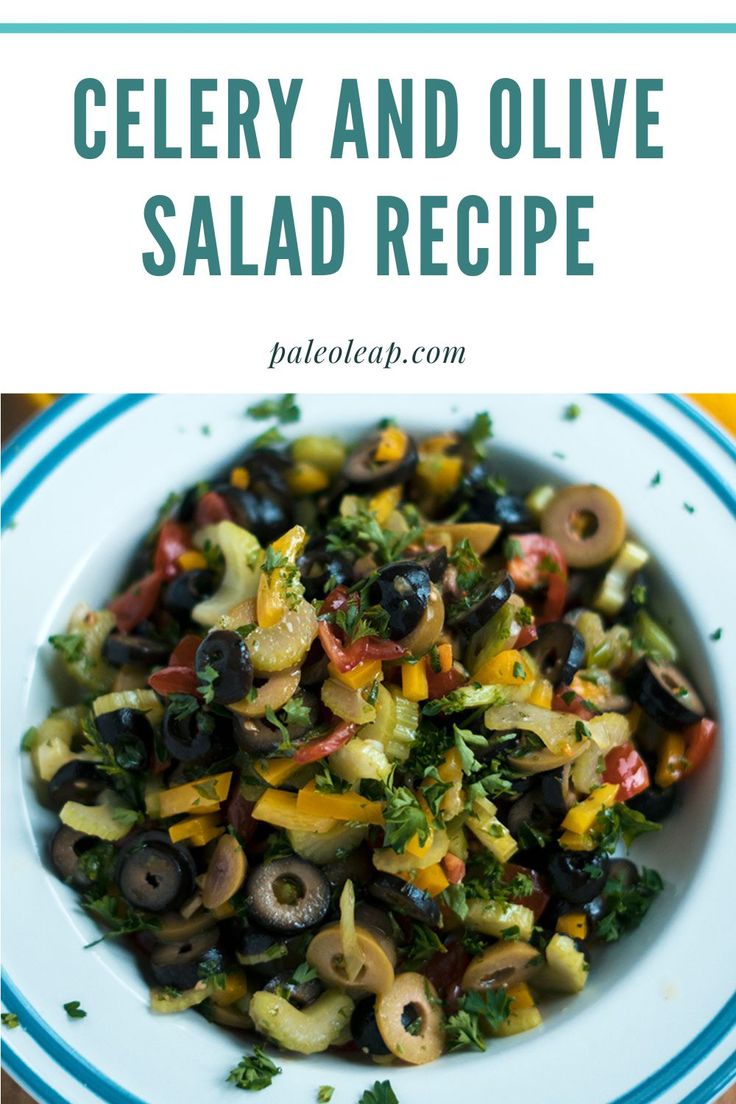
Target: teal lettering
{"points": [[321, 264], [509, 88], [534, 235], [285, 109], [126, 118], [161, 148], [577, 234], [282, 222], [81, 145], [202, 227], [429, 234], [609, 125], [156, 204], [433, 147], [199, 118], [400, 121], [391, 238], [467, 205], [539, 137], [242, 121], [646, 118], [349, 125]]}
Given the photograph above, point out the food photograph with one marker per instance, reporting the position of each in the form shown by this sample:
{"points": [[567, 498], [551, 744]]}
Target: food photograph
{"points": [[364, 748]]}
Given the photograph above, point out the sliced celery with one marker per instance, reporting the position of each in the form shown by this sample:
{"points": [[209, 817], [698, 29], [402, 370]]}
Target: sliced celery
{"points": [[650, 638], [306, 1032], [615, 586]]}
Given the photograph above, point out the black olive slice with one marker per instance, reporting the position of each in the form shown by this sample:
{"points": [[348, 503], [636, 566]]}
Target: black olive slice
{"points": [[434, 563], [77, 780], [287, 895], [321, 569], [358, 866], [263, 510], [558, 651], [67, 847], [154, 874], [495, 592], [122, 648], [256, 736], [405, 898], [186, 591], [624, 871], [225, 653], [578, 876], [184, 964], [364, 1029], [263, 951], [402, 590], [363, 473], [556, 792], [187, 735], [298, 993], [129, 733], [507, 510], [655, 803], [665, 694]]}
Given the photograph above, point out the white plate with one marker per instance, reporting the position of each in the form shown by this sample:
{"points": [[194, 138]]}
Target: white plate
{"points": [[656, 1020]]}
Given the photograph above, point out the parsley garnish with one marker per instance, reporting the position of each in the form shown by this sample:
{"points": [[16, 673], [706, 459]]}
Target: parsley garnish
{"points": [[424, 944], [360, 534], [255, 1072], [518, 670], [210, 969], [656, 479], [74, 1010], [205, 430], [627, 905], [120, 917], [687, 506], [513, 550], [9, 1019], [269, 438], [479, 433], [284, 409], [28, 739], [304, 972], [621, 821], [571, 412], [381, 1093], [463, 737], [404, 818], [639, 594], [324, 1094], [715, 635], [207, 789], [69, 645], [464, 1028], [207, 679]]}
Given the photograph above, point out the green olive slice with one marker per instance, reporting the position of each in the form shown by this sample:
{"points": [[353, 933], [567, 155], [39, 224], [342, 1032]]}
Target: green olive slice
{"points": [[587, 524], [502, 964], [324, 954], [416, 993], [225, 874]]}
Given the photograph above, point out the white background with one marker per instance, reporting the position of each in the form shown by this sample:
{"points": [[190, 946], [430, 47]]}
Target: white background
{"points": [[81, 313]]}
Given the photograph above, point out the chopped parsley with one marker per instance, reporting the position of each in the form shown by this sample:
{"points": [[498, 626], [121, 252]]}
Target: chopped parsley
{"points": [[284, 409], [656, 479], [210, 969], [480, 432], [74, 1010], [207, 790], [303, 973], [269, 438], [254, 1072], [207, 679], [622, 822], [118, 915], [716, 634], [687, 506], [360, 534], [381, 1093], [205, 430], [423, 945], [639, 595], [571, 412], [627, 904], [69, 645], [28, 740], [324, 1094], [518, 670], [9, 1019], [404, 818], [464, 1028]]}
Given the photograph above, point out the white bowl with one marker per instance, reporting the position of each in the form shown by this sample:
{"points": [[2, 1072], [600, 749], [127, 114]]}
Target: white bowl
{"points": [[656, 1021]]}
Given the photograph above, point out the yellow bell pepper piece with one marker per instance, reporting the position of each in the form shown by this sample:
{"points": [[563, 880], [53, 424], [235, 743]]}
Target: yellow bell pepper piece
{"points": [[391, 445], [444, 652], [574, 924], [414, 685], [508, 668], [542, 694], [240, 478], [581, 818], [419, 850], [276, 771], [383, 504], [361, 676], [305, 478], [201, 796], [224, 911], [633, 718], [441, 442], [671, 760], [234, 989], [339, 806], [278, 807], [520, 996], [272, 598], [193, 826], [432, 880], [191, 560], [438, 474], [571, 841]]}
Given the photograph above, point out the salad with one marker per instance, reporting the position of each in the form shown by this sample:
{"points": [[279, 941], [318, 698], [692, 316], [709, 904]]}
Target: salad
{"points": [[360, 743]]}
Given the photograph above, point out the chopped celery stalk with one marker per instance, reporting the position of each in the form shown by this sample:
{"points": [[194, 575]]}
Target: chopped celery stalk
{"points": [[499, 633], [650, 638], [566, 970], [405, 727], [89, 668], [64, 725], [523, 1020], [144, 701], [614, 589], [243, 556], [468, 697], [50, 756], [557, 731], [612, 650], [326, 453], [107, 822], [167, 1000], [347, 703], [493, 917], [590, 627], [306, 1032], [486, 827], [539, 497], [326, 847], [359, 759], [391, 862]]}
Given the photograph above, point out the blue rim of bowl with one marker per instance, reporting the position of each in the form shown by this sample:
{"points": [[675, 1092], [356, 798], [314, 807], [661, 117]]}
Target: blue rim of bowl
{"points": [[77, 1066]]}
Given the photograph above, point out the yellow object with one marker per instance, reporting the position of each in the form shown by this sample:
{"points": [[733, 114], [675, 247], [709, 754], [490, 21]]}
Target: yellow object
{"points": [[95, 820], [450, 770], [521, 996], [235, 988], [419, 850], [633, 718], [574, 924], [721, 406], [383, 504], [439, 474], [414, 685], [508, 668], [485, 826], [581, 818], [191, 560], [671, 762], [201, 796], [441, 442], [240, 478], [542, 694], [279, 808], [432, 880], [305, 478], [391, 446], [338, 806], [224, 912], [571, 841], [326, 453], [361, 676], [201, 827], [444, 651], [272, 600], [276, 771]]}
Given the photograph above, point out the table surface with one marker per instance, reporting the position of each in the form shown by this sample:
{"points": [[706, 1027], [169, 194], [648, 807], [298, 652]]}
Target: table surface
{"points": [[17, 408]]}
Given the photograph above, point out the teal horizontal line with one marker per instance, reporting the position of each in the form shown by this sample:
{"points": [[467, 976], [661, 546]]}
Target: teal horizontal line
{"points": [[368, 28]]}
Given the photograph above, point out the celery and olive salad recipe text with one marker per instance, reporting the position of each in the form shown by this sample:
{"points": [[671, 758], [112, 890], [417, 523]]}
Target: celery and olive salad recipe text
{"points": [[359, 742]]}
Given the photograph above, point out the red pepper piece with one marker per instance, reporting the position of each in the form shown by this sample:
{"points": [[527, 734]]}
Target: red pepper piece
{"points": [[173, 539], [174, 680], [625, 766], [541, 562], [185, 651], [325, 745], [211, 508], [137, 602]]}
